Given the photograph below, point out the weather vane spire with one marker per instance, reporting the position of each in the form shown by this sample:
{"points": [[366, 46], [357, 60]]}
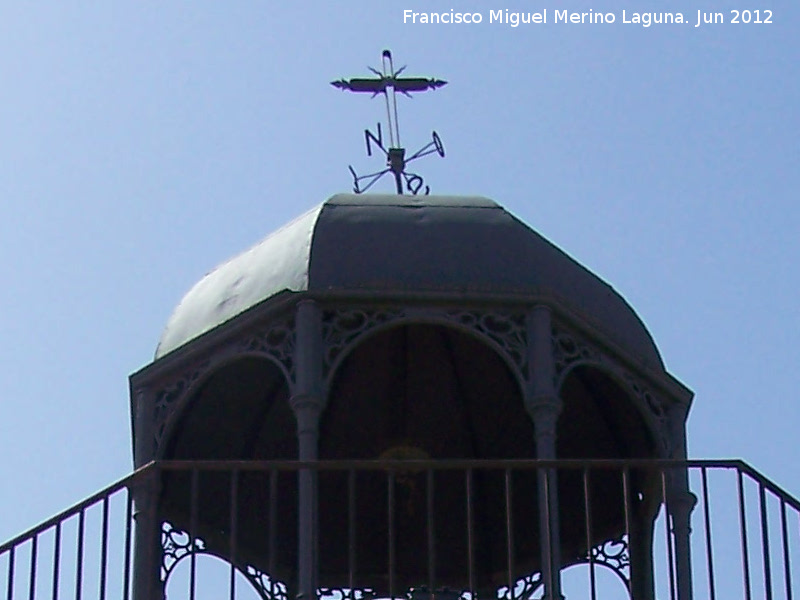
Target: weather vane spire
{"points": [[388, 82]]}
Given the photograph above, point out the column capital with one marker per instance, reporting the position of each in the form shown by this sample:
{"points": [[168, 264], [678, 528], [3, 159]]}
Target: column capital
{"points": [[544, 410], [681, 501], [306, 402]]}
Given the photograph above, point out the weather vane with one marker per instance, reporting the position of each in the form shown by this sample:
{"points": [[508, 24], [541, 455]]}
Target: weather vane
{"points": [[388, 82]]}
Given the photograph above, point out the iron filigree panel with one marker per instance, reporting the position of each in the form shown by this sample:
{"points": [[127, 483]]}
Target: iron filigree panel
{"points": [[267, 588], [170, 395], [613, 555], [327, 593], [341, 328], [570, 349], [275, 342], [524, 589], [505, 330], [177, 544]]}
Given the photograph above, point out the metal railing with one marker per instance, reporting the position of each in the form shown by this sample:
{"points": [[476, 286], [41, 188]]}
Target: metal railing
{"points": [[414, 529]]}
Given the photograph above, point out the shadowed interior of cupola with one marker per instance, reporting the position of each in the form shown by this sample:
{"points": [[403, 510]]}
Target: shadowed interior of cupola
{"points": [[241, 412], [425, 391], [600, 420]]}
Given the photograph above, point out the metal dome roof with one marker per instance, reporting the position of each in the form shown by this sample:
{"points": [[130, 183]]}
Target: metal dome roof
{"points": [[387, 243]]}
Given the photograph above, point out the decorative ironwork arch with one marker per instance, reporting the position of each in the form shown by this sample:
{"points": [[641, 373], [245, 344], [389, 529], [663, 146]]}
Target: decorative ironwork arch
{"points": [[177, 544], [524, 588], [571, 351], [328, 593], [613, 555], [173, 399], [503, 332]]}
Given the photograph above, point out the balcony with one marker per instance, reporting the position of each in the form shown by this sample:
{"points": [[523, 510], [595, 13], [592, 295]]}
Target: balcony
{"points": [[417, 529]]}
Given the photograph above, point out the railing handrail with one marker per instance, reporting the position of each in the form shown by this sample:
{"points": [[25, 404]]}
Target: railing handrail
{"points": [[770, 485], [442, 464], [76, 508], [386, 464], [460, 463]]}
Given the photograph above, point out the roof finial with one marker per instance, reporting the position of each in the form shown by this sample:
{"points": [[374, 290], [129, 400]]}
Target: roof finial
{"points": [[388, 82]]}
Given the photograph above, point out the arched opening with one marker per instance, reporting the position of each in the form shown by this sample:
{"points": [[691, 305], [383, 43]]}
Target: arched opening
{"points": [[430, 387], [419, 391], [601, 420], [241, 412]]}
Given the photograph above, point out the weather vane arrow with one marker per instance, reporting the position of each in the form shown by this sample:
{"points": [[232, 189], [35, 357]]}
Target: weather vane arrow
{"points": [[388, 82], [378, 85]]}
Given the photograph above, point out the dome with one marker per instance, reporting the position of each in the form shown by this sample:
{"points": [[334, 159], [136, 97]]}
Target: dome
{"points": [[406, 244]]}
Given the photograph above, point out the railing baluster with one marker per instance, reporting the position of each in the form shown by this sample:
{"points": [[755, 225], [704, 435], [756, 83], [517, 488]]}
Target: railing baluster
{"points": [[762, 500], [34, 561], [104, 551], [233, 525], [626, 500], [193, 533], [10, 583], [56, 560], [509, 535], [351, 529], [668, 530], [431, 534], [470, 535], [126, 576], [273, 521], [709, 545], [787, 572], [390, 503], [743, 537], [79, 558], [587, 507]]}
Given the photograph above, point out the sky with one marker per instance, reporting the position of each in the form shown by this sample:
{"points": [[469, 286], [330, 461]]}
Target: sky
{"points": [[143, 143]]}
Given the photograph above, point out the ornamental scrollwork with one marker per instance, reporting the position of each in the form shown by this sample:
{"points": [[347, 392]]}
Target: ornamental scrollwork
{"points": [[415, 593], [340, 328], [267, 588], [171, 393], [614, 555], [655, 406], [524, 588], [569, 349], [276, 341], [327, 593], [507, 330], [175, 545]]}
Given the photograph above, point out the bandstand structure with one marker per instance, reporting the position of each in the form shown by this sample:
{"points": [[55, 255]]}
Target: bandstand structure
{"points": [[436, 329]]}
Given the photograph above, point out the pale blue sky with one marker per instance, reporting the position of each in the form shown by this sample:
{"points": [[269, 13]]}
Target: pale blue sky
{"points": [[142, 143]]}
